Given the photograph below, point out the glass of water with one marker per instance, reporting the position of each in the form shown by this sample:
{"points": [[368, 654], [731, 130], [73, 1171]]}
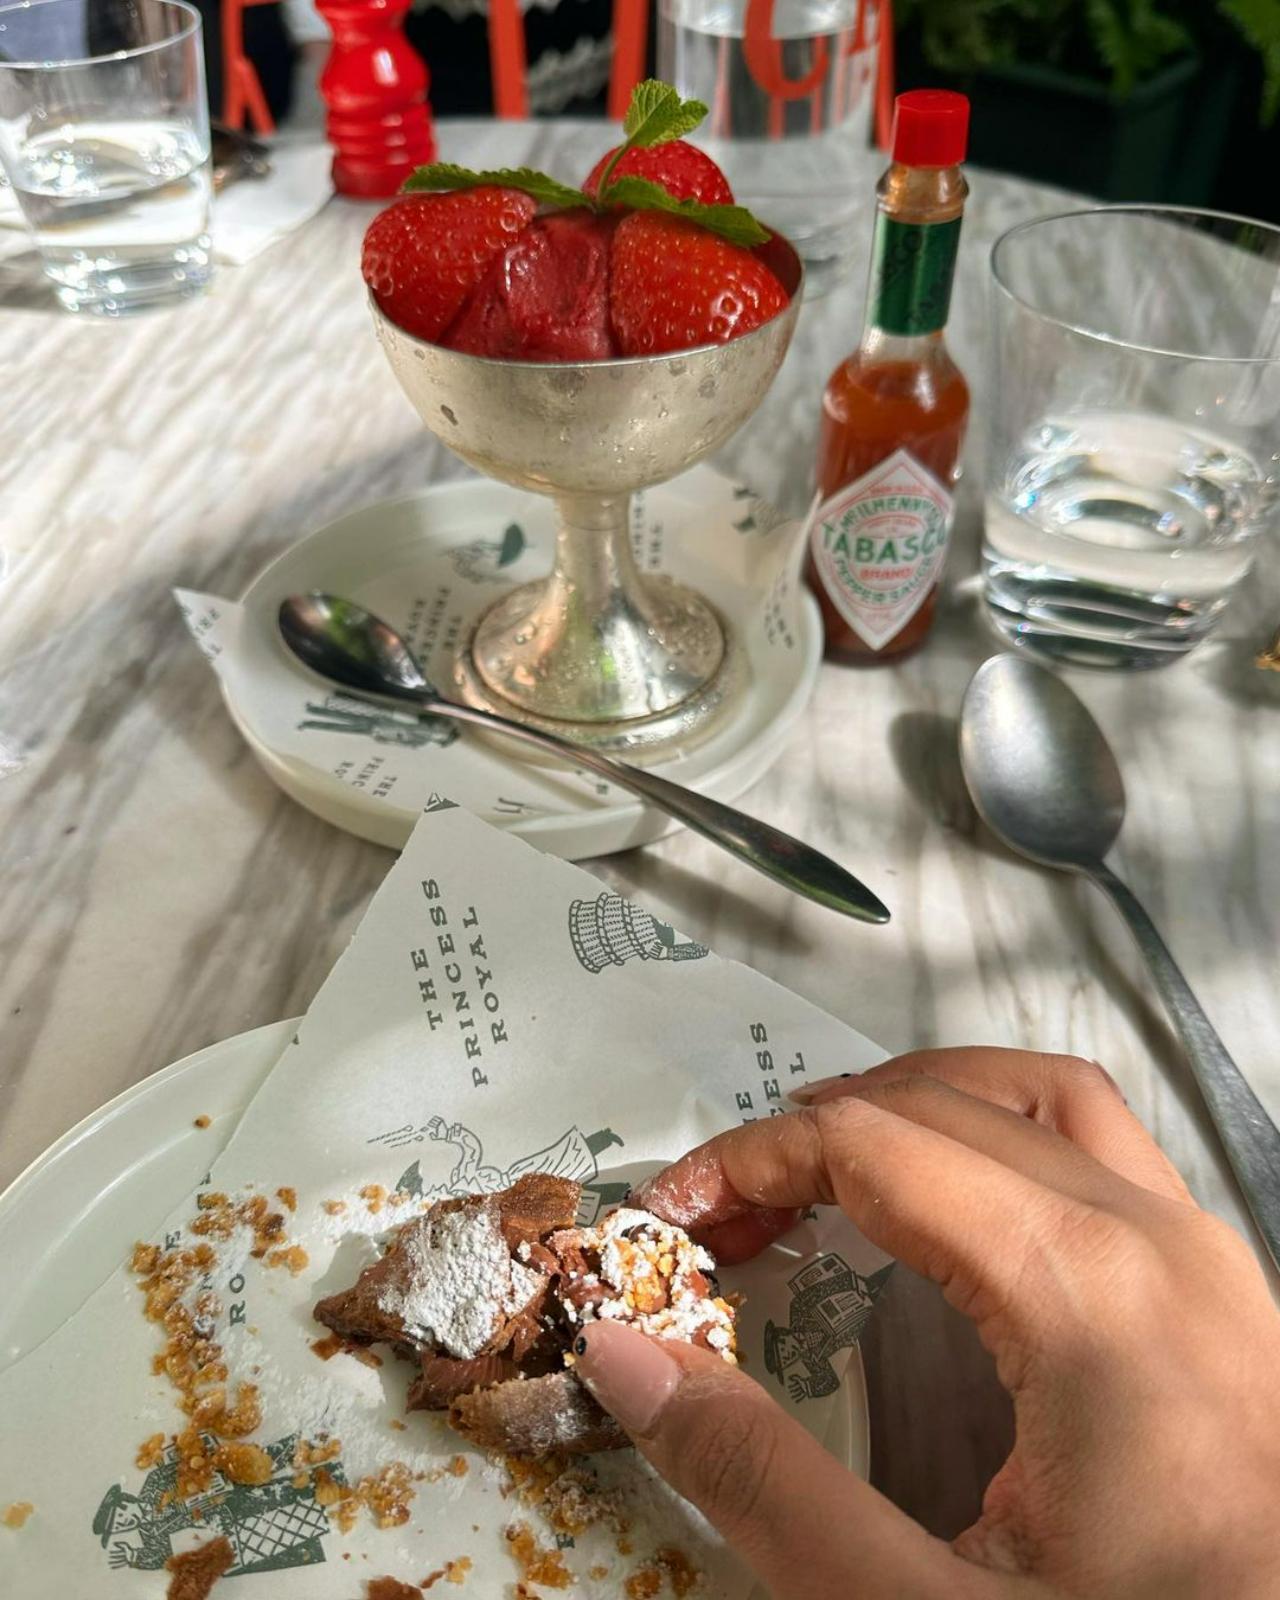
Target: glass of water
{"points": [[790, 86], [104, 135], [1135, 452]]}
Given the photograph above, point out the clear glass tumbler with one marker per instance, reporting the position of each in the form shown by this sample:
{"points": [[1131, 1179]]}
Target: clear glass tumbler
{"points": [[790, 86], [1135, 413], [104, 135]]}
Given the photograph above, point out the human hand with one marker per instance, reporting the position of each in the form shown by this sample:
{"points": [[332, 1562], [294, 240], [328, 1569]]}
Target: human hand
{"points": [[1134, 1331]]}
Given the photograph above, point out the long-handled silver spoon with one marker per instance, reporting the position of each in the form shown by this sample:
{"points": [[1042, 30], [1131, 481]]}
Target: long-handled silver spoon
{"points": [[349, 645], [1044, 779]]}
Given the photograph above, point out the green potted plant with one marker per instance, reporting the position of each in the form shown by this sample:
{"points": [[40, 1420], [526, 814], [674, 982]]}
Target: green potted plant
{"points": [[1124, 99]]}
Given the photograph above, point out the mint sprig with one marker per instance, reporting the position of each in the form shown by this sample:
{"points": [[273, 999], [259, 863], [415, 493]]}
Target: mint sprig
{"points": [[656, 115], [445, 177], [734, 223]]}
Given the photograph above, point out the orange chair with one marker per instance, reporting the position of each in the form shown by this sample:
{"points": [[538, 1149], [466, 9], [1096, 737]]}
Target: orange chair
{"points": [[630, 37], [241, 87]]}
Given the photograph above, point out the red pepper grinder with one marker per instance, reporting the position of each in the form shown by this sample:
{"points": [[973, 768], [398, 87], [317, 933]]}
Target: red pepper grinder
{"points": [[375, 86]]}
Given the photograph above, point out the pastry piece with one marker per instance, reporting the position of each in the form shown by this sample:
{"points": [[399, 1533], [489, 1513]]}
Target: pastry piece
{"points": [[633, 1267], [487, 1293], [449, 1282], [536, 1417]]}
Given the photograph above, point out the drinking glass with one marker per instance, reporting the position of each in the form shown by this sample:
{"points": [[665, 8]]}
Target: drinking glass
{"points": [[104, 135], [1135, 451], [790, 86]]}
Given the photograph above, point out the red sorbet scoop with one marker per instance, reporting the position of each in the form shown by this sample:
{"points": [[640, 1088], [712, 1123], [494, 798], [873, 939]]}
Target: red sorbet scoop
{"points": [[547, 296]]}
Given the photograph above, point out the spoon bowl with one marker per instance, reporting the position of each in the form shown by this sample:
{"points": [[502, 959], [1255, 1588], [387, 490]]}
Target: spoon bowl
{"points": [[346, 644], [1037, 765], [1044, 780]]}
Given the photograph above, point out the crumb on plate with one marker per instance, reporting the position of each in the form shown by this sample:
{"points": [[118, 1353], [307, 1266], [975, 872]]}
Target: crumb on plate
{"points": [[537, 1563], [194, 1572], [451, 1572]]}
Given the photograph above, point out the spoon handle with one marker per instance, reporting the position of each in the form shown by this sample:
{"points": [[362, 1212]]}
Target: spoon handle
{"points": [[1249, 1137], [797, 866]]}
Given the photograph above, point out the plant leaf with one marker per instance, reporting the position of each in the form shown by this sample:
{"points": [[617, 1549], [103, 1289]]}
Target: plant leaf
{"points": [[1258, 21], [445, 177], [657, 115], [734, 223]]}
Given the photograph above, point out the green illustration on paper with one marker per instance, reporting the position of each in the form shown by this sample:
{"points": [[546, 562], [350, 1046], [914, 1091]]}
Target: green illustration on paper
{"points": [[483, 559], [830, 1306], [338, 714], [610, 931], [270, 1525], [574, 1155]]}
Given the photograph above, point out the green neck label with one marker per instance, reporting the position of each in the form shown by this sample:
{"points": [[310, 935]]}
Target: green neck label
{"points": [[912, 265]]}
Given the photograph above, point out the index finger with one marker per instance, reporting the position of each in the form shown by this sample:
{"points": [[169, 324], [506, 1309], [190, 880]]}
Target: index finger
{"points": [[990, 1235]]}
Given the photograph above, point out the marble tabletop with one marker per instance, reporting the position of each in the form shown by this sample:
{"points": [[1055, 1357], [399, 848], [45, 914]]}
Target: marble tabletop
{"points": [[158, 893]]}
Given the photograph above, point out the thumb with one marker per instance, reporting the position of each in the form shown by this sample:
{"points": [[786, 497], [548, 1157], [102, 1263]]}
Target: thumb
{"points": [[808, 1527]]}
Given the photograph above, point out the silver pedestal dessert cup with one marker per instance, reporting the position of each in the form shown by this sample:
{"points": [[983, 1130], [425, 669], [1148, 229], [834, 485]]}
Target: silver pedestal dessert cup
{"points": [[598, 651]]}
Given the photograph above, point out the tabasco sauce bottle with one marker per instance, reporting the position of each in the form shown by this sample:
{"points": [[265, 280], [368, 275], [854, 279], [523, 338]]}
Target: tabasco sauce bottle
{"points": [[894, 412]]}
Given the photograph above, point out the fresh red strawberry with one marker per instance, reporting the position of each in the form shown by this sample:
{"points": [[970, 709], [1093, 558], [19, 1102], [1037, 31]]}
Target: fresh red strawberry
{"points": [[547, 296], [674, 285], [426, 253], [682, 169]]}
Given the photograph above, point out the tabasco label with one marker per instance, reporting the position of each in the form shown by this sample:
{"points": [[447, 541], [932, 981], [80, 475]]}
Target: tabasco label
{"points": [[879, 543]]}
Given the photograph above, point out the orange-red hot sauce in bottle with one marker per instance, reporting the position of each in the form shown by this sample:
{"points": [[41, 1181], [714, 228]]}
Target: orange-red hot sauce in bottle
{"points": [[894, 412]]}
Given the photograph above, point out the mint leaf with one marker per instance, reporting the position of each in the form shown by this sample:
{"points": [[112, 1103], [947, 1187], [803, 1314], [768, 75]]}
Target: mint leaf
{"points": [[444, 176], [657, 115], [734, 223]]}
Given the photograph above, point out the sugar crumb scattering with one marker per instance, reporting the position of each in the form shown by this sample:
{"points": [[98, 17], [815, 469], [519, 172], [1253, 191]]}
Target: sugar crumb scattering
{"points": [[16, 1515], [173, 1283], [536, 1562]]}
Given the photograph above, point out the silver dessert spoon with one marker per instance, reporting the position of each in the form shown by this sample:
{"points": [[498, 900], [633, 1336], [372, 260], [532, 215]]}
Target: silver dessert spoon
{"points": [[350, 646], [1043, 779]]}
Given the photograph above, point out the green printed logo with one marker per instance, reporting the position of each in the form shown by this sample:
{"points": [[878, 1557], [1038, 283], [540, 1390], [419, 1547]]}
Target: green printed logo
{"points": [[270, 1525]]}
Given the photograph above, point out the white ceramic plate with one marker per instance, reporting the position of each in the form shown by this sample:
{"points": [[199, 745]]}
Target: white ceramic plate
{"points": [[73, 1216], [396, 553]]}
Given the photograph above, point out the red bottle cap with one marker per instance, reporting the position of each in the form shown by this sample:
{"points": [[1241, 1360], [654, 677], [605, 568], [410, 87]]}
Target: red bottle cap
{"points": [[930, 128]]}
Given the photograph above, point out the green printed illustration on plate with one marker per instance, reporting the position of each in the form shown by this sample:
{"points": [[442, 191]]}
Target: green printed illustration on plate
{"points": [[413, 730], [830, 1305], [574, 1155], [270, 1525], [609, 931], [482, 560]]}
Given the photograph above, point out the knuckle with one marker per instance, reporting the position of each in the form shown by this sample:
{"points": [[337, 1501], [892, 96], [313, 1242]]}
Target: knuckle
{"points": [[1067, 1084], [727, 1462]]}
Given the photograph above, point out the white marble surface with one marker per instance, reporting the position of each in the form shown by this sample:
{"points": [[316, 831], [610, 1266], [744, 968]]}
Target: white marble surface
{"points": [[158, 893]]}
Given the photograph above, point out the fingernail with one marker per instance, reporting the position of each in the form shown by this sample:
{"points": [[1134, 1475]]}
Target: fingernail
{"points": [[807, 1091], [631, 1376]]}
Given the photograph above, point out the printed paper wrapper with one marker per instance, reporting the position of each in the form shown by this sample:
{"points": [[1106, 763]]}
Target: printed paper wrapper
{"points": [[498, 1012], [430, 565]]}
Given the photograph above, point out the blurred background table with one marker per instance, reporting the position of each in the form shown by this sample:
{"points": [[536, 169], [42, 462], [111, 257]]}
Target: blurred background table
{"points": [[158, 893]]}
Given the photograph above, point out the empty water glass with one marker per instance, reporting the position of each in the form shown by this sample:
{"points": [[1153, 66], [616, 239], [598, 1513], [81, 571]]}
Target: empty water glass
{"points": [[1135, 449], [790, 87], [104, 135]]}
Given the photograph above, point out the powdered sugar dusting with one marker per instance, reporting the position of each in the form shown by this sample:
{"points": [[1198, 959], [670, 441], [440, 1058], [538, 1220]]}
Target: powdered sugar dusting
{"points": [[463, 1282]]}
